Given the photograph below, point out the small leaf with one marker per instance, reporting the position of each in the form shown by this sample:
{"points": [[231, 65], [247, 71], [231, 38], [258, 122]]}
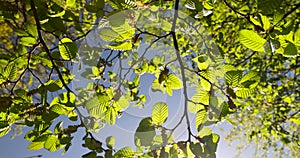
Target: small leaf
{"points": [[71, 3], [252, 40], [205, 132], [124, 152], [297, 37], [251, 75], [200, 118], [124, 46], [10, 72], [175, 82], [72, 116], [59, 109], [111, 115], [91, 154], [109, 35], [290, 50], [50, 143], [233, 77], [36, 145], [265, 21], [27, 41], [160, 113], [110, 142], [145, 132], [67, 48]]}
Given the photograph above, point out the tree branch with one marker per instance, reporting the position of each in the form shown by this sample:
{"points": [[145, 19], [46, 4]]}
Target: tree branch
{"points": [[185, 93]]}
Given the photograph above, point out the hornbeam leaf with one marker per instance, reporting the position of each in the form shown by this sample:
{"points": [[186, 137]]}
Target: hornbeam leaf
{"points": [[124, 152], [50, 143], [290, 50], [200, 118], [67, 48], [36, 145], [160, 113], [252, 40]]}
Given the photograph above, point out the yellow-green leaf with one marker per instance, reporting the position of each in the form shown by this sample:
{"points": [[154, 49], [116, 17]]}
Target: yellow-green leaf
{"points": [[160, 113], [50, 143], [200, 118], [252, 40], [36, 145], [68, 49]]}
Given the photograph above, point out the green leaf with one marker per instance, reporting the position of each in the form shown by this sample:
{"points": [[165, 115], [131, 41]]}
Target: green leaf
{"points": [[124, 152], [68, 49], [174, 82], [204, 132], [53, 85], [123, 102], [290, 50], [96, 109], [160, 113], [95, 71], [59, 109], [269, 6], [111, 115], [233, 77], [265, 22], [50, 143], [110, 142], [27, 41], [10, 72], [36, 145], [71, 3], [124, 46], [200, 118], [251, 75], [73, 116], [145, 132], [31, 29], [4, 130], [244, 92], [91, 154], [297, 37], [109, 35], [252, 40]]}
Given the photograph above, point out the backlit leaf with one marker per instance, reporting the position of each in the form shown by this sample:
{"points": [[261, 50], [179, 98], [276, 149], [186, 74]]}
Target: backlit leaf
{"points": [[252, 40], [200, 118], [160, 113], [68, 49]]}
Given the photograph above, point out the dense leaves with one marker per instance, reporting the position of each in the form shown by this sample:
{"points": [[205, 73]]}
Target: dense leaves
{"points": [[88, 61]]}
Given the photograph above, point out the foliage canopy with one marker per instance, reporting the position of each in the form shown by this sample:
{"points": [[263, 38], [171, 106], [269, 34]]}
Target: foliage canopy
{"points": [[241, 59]]}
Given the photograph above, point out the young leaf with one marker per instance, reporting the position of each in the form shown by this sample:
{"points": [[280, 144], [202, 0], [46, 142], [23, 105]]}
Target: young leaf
{"points": [[252, 75], [67, 48], [50, 143], [145, 132], [124, 152], [297, 37], [110, 142], [290, 50], [71, 3], [265, 22], [160, 113], [233, 77], [111, 115], [204, 132], [175, 82], [252, 40], [36, 145], [27, 41], [200, 118], [10, 72]]}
